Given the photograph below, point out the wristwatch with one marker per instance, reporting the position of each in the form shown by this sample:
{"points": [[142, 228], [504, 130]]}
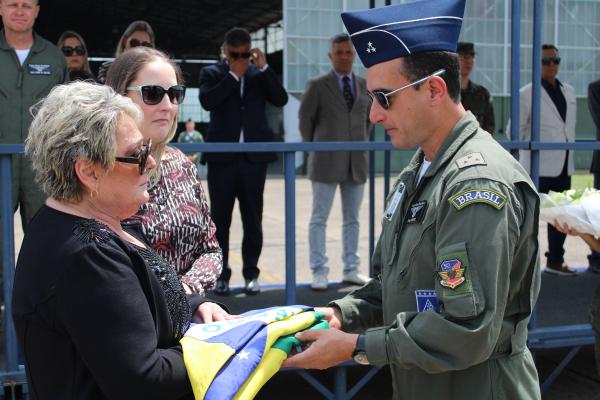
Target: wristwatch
{"points": [[360, 355]]}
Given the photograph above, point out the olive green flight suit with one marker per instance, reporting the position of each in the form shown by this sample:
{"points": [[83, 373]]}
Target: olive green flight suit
{"points": [[21, 86], [458, 276]]}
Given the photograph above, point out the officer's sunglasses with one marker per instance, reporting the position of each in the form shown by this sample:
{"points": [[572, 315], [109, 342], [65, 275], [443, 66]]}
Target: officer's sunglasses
{"points": [[135, 43], [140, 157], [68, 50], [550, 60], [153, 94], [235, 55], [382, 96]]}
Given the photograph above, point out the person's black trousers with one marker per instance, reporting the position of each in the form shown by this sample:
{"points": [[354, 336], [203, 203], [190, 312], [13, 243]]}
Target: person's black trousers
{"points": [[556, 240], [594, 256], [245, 181]]}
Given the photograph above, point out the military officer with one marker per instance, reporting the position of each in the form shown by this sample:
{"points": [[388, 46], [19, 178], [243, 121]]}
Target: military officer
{"points": [[474, 97], [458, 259]]}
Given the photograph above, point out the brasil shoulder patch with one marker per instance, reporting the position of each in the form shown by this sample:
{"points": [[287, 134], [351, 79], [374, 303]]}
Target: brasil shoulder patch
{"points": [[486, 196]]}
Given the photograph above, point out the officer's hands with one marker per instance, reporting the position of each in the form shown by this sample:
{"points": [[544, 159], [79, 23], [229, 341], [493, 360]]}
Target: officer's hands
{"points": [[326, 348], [258, 58], [332, 315]]}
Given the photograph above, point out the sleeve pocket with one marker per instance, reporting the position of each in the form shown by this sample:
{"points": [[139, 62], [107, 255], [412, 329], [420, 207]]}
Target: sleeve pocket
{"points": [[456, 283]]}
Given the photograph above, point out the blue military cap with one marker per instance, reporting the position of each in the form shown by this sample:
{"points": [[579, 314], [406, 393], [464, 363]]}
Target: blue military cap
{"points": [[382, 34]]}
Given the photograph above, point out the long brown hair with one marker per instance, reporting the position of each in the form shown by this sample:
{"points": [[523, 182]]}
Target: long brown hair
{"points": [[135, 26], [72, 34], [125, 69]]}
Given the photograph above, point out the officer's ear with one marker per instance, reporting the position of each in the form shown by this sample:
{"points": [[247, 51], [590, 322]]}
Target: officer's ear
{"points": [[437, 88]]}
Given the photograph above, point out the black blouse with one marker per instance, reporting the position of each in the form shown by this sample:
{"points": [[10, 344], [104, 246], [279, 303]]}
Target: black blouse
{"points": [[96, 316]]}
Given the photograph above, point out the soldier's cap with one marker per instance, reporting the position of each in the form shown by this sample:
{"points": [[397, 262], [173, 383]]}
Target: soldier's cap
{"points": [[385, 33], [466, 48]]}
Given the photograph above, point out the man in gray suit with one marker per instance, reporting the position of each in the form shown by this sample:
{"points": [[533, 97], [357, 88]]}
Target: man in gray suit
{"points": [[335, 107]]}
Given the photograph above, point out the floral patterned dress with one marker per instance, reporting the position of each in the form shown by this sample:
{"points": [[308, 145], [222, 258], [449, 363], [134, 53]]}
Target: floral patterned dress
{"points": [[177, 224]]}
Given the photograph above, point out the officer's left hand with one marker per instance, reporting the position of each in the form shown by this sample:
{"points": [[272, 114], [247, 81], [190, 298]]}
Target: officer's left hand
{"points": [[326, 348]]}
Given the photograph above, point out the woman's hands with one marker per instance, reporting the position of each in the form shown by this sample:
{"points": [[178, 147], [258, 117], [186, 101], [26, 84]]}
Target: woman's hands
{"points": [[211, 312]]}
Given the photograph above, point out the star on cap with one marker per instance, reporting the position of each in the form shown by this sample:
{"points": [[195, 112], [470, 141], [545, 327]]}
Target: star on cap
{"points": [[404, 29]]}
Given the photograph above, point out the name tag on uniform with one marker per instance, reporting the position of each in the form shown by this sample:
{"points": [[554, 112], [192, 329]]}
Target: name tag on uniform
{"points": [[389, 212], [416, 212], [427, 300], [39, 69]]}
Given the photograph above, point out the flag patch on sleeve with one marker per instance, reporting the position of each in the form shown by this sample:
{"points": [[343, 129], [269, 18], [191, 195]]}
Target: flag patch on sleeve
{"points": [[468, 197]]}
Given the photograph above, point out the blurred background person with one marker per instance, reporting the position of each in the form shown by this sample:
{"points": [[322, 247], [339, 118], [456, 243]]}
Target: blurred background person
{"points": [[475, 98], [558, 113], [191, 135], [91, 299], [335, 107], [138, 33], [594, 244], [594, 106], [176, 219], [236, 91], [76, 54]]}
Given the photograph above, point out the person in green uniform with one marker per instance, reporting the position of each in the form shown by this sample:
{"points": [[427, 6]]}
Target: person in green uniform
{"points": [[474, 97], [457, 263]]}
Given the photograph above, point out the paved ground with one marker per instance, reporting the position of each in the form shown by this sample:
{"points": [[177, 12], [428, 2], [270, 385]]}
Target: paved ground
{"points": [[577, 382]]}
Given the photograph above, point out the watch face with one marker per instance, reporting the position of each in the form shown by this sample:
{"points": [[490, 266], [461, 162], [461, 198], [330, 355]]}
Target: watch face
{"points": [[361, 358]]}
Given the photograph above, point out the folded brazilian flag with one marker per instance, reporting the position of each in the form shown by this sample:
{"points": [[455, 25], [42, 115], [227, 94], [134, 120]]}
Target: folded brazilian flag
{"points": [[234, 359]]}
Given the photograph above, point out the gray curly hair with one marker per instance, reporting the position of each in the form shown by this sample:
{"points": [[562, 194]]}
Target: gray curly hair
{"points": [[75, 121]]}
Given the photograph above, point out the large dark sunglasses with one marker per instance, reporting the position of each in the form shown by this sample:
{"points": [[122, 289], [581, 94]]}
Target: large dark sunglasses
{"points": [[153, 94], [382, 97], [550, 60], [235, 55], [140, 157], [68, 50], [135, 43]]}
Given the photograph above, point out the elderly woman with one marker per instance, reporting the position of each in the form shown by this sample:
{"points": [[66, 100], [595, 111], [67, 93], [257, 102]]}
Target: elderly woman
{"points": [[176, 220], [75, 51], [98, 313], [137, 33]]}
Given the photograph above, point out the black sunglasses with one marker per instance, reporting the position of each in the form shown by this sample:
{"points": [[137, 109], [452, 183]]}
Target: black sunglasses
{"points": [[235, 55], [68, 50], [153, 94], [135, 43], [550, 60], [382, 96], [140, 157]]}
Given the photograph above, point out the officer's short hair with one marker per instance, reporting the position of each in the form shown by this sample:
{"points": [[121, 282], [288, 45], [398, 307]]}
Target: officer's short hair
{"points": [[339, 38], [548, 46], [76, 121], [237, 37], [419, 65]]}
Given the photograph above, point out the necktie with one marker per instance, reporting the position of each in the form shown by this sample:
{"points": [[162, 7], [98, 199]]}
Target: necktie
{"points": [[347, 91]]}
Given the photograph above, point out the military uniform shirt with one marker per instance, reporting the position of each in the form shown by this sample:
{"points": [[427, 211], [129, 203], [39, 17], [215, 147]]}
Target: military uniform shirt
{"points": [[477, 99], [457, 267]]}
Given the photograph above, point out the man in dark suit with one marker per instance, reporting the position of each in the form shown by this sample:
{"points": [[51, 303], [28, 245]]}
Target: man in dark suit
{"points": [[235, 91], [335, 107], [594, 105]]}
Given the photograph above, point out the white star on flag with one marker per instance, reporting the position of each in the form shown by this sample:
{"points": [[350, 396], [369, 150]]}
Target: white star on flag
{"points": [[243, 355]]}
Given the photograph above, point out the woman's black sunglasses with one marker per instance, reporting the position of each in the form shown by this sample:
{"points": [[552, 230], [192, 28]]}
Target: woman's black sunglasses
{"points": [[153, 94], [135, 43], [141, 157], [68, 50]]}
